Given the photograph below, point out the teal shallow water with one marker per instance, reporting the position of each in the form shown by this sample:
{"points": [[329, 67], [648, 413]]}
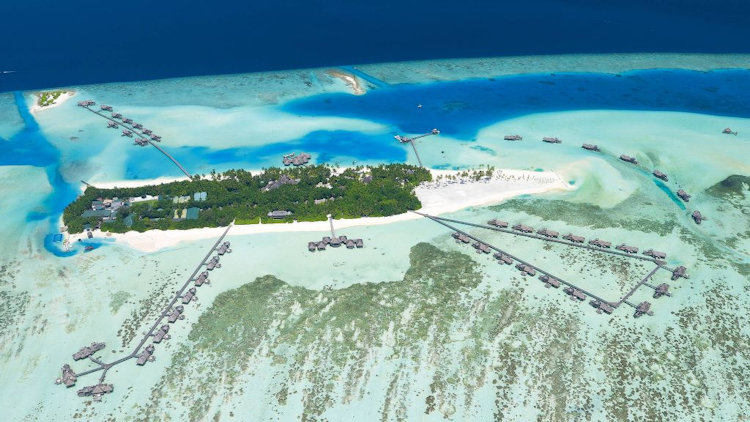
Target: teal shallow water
{"points": [[401, 335]]}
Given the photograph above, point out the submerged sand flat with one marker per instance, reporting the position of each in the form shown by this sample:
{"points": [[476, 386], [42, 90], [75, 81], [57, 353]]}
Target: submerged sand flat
{"points": [[413, 326]]}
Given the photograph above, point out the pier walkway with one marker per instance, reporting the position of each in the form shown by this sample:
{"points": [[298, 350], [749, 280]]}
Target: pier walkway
{"points": [[178, 294], [142, 136], [440, 221], [636, 287], [548, 239], [643, 282]]}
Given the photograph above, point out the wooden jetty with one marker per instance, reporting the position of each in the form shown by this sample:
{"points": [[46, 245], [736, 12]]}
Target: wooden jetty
{"points": [[410, 140], [572, 240], [171, 312], [87, 105], [602, 305], [624, 299], [444, 222]]}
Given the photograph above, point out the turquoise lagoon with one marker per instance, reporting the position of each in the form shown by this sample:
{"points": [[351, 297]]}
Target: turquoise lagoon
{"points": [[413, 326]]}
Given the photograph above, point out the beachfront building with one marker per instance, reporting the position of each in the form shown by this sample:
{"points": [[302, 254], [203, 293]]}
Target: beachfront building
{"points": [[279, 214]]}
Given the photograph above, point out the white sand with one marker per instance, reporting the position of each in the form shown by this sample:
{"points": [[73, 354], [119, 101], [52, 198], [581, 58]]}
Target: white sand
{"points": [[65, 96], [436, 197], [350, 80]]}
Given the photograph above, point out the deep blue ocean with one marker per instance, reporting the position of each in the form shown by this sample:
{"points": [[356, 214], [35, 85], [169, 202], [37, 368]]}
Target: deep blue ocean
{"points": [[49, 43]]}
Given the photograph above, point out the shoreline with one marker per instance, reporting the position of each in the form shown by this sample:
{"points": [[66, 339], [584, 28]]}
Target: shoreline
{"points": [[437, 197]]}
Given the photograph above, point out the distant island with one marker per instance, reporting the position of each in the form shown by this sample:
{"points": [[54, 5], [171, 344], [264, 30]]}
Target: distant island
{"points": [[49, 99], [274, 195]]}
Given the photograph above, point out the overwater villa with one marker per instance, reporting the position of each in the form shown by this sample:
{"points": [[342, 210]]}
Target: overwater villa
{"points": [[224, 248], [137, 125], [550, 281], [602, 306], [683, 195], [523, 228], [659, 175], [590, 147], [502, 258], [661, 290], [642, 308], [106, 107], [575, 293], [497, 223], [525, 269], [512, 137], [628, 159], [127, 120], [573, 238], [127, 133], [551, 140], [86, 103], [600, 243], [679, 272], [96, 391], [698, 217], [161, 334], [548, 233], [68, 376], [189, 295], [213, 263], [655, 254], [116, 116], [627, 249], [146, 355], [176, 314], [203, 278], [88, 351], [112, 125]]}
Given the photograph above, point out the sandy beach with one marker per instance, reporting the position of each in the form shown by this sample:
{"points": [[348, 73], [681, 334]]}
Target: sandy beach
{"points": [[349, 79], [449, 192]]}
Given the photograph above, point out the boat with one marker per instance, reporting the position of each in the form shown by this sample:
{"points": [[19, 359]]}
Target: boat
{"points": [[88, 248]]}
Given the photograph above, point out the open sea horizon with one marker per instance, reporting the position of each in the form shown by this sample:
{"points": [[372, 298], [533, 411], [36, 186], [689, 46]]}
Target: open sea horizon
{"points": [[48, 44]]}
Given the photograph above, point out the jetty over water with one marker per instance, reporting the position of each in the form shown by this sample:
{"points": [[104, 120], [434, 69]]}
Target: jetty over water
{"points": [[144, 135], [158, 332], [410, 140], [575, 292]]}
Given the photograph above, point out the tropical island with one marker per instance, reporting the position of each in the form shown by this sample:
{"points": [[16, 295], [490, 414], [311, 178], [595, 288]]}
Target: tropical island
{"points": [[272, 195]]}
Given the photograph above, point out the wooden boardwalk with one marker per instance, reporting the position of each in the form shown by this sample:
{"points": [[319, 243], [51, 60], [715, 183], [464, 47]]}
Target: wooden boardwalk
{"points": [[636, 287], [643, 282], [106, 366], [546, 239], [142, 136], [440, 221]]}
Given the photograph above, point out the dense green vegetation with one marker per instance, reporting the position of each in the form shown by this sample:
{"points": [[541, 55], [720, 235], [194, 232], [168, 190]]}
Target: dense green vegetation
{"points": [[239, 195], [47, 98]]}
